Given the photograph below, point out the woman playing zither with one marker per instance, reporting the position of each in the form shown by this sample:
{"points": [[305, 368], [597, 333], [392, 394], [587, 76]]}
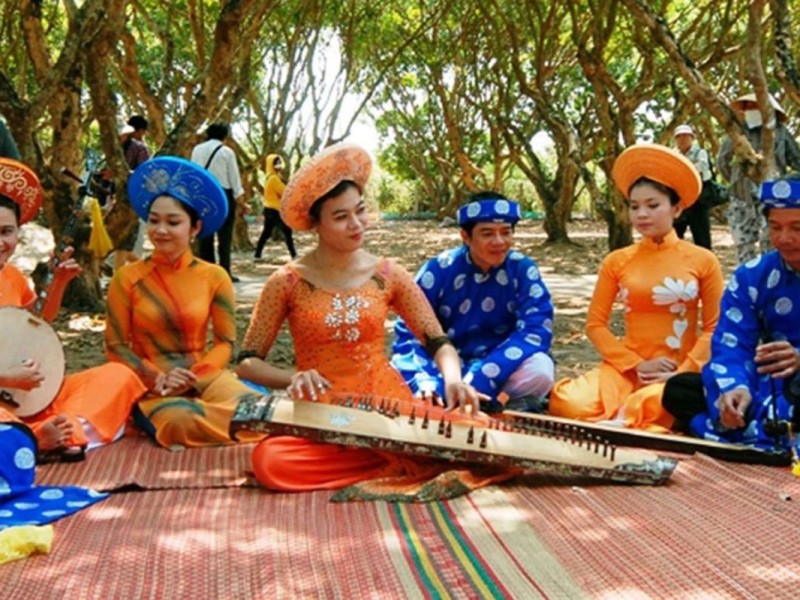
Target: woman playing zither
{"points": [[664, 283], [336, 299], [93, 405], [160, 309]]}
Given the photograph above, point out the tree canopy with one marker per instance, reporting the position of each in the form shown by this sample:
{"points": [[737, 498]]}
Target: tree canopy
{"points": [[462, 94]]}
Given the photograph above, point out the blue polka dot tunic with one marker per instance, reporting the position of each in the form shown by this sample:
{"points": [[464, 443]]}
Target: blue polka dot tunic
{"points": [[21, 502], [495, 319], [761, 303]]}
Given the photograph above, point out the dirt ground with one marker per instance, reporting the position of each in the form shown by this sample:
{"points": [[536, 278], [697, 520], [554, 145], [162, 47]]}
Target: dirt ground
{"points": [[568, 270]]}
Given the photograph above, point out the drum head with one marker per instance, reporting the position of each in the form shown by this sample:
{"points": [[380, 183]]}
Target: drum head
{"points": [[25, 336]]}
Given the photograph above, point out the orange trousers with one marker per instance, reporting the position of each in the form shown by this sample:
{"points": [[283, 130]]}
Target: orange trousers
{"points": [[605, 393], [292, 464], [102, 396]]}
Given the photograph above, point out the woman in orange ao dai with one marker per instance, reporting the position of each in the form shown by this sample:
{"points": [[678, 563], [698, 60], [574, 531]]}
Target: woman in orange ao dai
{"points": [[92, 406], [160, 309], [664, 284], [336, 299]]}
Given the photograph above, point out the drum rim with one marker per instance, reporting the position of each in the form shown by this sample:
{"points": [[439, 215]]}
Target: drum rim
{"points": [[51, 391]]}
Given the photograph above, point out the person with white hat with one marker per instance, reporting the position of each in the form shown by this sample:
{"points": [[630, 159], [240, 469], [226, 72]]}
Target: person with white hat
{"points": [[695, 217], [136, 151], [746, 222], [131, 138]]}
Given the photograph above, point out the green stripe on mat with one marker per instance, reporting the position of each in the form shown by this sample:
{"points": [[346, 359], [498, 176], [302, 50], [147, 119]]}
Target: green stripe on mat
{"points": [[472, 565], [482, 545], [499, 530], [417, 554]]}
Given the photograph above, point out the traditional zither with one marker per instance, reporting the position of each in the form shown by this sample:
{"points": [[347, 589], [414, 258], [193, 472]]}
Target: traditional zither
{"points": [[664, 442], [377, 423]]}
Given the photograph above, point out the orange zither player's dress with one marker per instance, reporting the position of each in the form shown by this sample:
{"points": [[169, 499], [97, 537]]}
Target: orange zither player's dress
{"points": [[342, 334]]}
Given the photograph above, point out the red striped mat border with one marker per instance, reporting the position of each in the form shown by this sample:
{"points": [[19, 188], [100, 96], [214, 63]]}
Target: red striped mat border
{"points": [[248, 543]]}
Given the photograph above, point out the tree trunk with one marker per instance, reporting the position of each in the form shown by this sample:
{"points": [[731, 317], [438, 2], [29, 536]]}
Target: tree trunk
{"points": [[619, 226], [67, 221], [241, 235], [97, 70], [555, 221]]}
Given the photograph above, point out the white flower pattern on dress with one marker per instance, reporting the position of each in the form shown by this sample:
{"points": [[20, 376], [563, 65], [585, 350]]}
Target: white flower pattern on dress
{"points": [[622, 297], [345, 316], [676, 293]]}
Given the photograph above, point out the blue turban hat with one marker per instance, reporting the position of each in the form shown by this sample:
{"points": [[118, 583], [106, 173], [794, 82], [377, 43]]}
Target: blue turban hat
{"points": [[781, 193], [494, 210], [187, 182]]}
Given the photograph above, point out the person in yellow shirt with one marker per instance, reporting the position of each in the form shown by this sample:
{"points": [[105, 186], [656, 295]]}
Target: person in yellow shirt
{"points": [[273, 190]]}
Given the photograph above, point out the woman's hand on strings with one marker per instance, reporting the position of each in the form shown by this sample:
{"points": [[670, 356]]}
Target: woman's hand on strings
{"points": [[427, 392], [307, 385], [459, 394]]}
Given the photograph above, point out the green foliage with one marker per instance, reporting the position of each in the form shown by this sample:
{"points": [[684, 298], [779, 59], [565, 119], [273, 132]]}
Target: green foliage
{"points": [[394, 197], [458, 89]]}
